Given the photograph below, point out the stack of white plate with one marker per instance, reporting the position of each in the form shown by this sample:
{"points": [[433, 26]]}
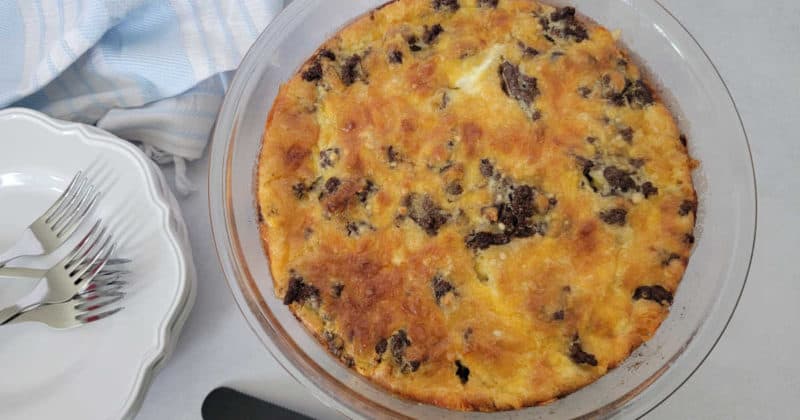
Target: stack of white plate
{"points": [[100, 370]]}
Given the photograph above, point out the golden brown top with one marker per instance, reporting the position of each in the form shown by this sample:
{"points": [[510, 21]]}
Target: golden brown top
{"points": [[478, 204]]}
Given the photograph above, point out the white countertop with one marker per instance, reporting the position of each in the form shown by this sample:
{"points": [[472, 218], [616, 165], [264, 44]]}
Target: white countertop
{"points": [[751, 373]]}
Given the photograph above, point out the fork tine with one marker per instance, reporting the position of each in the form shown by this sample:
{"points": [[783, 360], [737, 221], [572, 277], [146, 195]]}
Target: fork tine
{"points": [[64, 196], [98, 296], [68, 205], [88, 261], [84, 246], [97, 264], [103, 285], [98, 301], [87, 240], [101, 279], [105, 275], [96, 288], [74, 208], [111, 267], [89, 318], [86, 253], [78, 216]]}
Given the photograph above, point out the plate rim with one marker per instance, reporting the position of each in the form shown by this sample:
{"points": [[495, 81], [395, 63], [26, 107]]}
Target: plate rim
{"points": [[169, 328]]}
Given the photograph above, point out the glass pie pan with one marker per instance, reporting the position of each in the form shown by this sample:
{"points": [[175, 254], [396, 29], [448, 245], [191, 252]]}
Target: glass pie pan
{"points": [[704, 302]]}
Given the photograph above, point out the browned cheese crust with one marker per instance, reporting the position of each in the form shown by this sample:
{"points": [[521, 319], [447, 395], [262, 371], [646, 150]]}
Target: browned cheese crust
{"points": [[477, 204]]}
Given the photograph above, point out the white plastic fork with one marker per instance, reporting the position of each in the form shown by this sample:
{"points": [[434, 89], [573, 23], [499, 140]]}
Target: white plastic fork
{"points": [[87, 307], [70, 276], [58, 223]]}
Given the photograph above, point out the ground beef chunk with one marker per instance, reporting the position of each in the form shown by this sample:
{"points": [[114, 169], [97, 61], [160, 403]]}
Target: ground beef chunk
{"points": [[462, 372], [381, 345], [527, 50], [299, 291], [299, 190], [635, 94], [656, 294], [483, 240], [337, 289], [451, 5], [350, 70], [579, 356], [619, 180], [627, 134], [332, 184], [515, 214], [513, 217], [517, 85], [412, 43], [366, 192], [616, 217], [687, 207], [335, 343], [431, 33], [336, 347], [586, 168], [410, 366], [392, 155], [454, 188], [649, 190], [638, 94], [329, 157], [348, 360], [425, 212], [313, 72], [487, 169], [396, 57], [440, 287], [380, 349], [564, 13], [358, 228], [326, 53], [562, 23], [399, 343]]}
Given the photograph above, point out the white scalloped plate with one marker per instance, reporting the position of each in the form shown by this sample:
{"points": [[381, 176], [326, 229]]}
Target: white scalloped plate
{"points": [[101, 370]]}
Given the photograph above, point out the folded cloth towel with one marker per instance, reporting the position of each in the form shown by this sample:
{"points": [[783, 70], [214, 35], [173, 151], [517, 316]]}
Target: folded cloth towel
{"points": [[150, 71]]}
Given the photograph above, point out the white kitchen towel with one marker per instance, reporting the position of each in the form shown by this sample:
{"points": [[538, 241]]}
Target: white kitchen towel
{"points": [[150, 71]]}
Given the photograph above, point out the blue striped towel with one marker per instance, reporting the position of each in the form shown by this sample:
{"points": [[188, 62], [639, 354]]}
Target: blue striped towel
{"points": [[150, 71]]}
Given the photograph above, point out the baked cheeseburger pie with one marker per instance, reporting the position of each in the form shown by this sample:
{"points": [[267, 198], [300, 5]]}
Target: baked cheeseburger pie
{"points": [[476, 204]]}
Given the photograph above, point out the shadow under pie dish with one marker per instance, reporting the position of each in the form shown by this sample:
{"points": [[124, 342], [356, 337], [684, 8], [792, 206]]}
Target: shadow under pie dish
{"points": [[478, 205], [701, 306]]}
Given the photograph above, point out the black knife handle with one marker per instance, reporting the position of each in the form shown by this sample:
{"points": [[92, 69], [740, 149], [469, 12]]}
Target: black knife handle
{"points": [[228, 404]]}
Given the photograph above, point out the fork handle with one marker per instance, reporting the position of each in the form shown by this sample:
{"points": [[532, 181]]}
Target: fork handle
{"points": [[22, 273], [9, 313]]}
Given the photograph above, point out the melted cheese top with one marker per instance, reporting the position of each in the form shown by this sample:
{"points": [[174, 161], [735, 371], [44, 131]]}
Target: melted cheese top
{"points": [[476, 204]]}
